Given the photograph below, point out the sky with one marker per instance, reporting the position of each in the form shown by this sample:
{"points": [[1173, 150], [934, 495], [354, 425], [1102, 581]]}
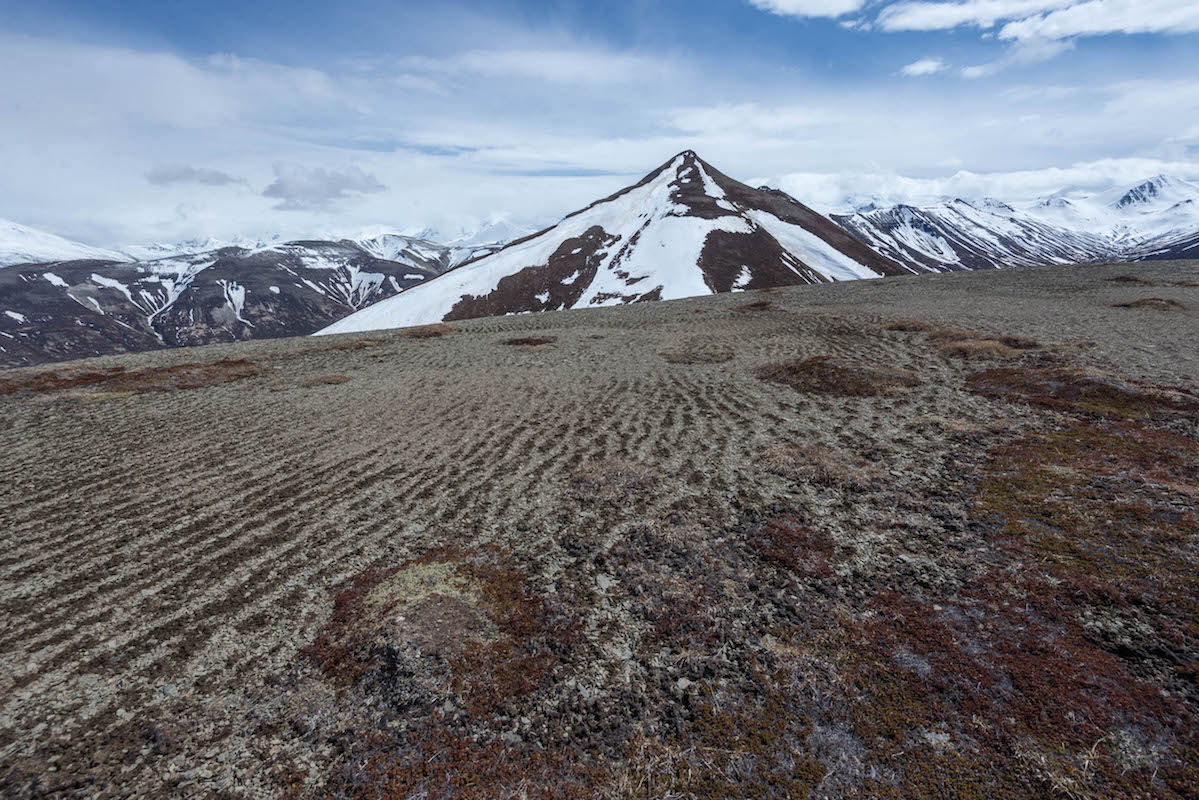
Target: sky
{"points": [[164, 120]]}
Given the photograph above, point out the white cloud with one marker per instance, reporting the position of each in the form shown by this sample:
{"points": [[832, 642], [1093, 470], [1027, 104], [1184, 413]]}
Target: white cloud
{"points": [[809, 8], [518, 127], [1097, 17], [925, 66], [560, 66], [1045, 19], [929, 16], [841, 192], [742, 118], [1025, 51]]}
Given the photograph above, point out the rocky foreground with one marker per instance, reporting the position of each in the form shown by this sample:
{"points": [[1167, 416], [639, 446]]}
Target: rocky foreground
{"points": [[912, 537]]}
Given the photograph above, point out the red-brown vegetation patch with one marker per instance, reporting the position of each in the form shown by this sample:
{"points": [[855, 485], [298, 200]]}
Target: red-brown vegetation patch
{"points": [[148, 379], [1058, 667], [838, 376], [1113, 510], [324, 380], [428, 331], [1152, 304], [822, 465], [529, 341], [491, 675], [436, 764], [788, 543], [467, 607], [733, 746], [458, 626], [1081, 391], [1022, 702], [1090, 638], [756, 305]]}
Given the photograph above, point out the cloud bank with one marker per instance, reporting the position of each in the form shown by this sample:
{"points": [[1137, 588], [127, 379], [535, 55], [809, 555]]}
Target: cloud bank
{"points": [[300, 188], [168, 175]]}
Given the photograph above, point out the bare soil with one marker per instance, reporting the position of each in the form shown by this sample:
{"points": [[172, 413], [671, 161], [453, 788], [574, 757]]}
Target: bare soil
{"points": [[427, 564]]}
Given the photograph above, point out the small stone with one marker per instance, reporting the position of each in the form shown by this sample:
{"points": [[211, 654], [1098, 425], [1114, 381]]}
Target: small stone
{"points": [[683, 683]]}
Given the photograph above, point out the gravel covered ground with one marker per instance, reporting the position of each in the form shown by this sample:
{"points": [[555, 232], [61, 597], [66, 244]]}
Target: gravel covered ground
{"points": [[911, 537]]}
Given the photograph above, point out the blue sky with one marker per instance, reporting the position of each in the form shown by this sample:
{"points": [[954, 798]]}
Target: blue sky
{"points": [[138, 120]]}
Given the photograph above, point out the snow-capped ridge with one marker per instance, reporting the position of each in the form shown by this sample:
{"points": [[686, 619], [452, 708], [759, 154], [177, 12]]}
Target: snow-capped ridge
{"points": [[1149, 219], [21, 244]]}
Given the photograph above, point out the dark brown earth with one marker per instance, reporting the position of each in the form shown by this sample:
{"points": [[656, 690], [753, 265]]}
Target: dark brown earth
{"points": [[624, 562]]}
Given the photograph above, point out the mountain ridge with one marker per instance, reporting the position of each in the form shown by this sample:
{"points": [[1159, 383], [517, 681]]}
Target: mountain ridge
{"points": [[1156, 218]]}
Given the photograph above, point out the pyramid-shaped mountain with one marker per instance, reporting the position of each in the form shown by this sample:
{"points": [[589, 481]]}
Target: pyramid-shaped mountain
{"points": [[684, 230]]}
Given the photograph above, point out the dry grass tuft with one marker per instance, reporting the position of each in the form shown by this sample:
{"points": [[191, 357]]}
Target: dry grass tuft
{"points": [[978, 350], [529, 341], [953, 334], [428, 331], [909, 326], [356, 344], [119, 380], [757, 305], [975, 346], [837, 375], [1153, 304], [611, 479], [819, 464], [324, 380]]}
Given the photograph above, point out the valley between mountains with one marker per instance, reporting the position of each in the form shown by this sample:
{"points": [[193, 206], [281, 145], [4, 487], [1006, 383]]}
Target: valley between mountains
{"points": [[914, 536]]}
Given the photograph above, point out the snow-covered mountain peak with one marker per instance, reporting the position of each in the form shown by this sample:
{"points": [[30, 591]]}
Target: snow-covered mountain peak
{"points": [[1155, 193], [993, 205], [685, 229]]}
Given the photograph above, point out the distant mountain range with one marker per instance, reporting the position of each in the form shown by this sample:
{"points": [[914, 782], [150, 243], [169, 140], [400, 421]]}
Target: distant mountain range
{"points": [[685, 229], [60, 299], [72, 309], [1156, 219]]}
